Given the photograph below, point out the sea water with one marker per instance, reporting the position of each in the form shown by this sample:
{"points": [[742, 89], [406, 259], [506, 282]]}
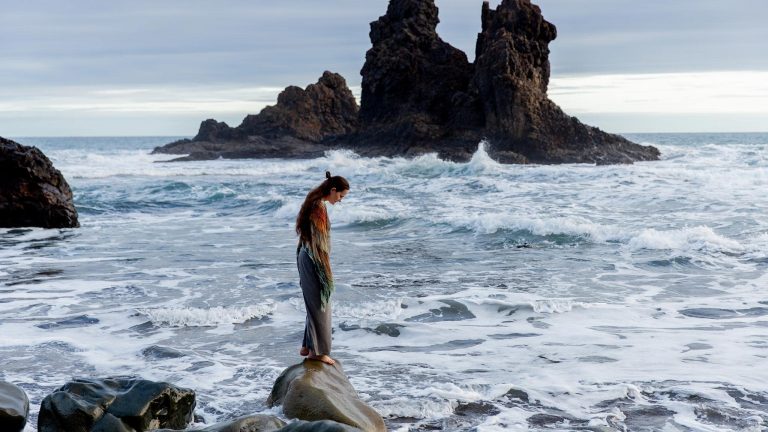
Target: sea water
{"points": [[470, 296]]}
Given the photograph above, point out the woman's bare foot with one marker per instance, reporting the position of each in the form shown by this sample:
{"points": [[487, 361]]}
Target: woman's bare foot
{"points": [[304, 351], [323, 358]]}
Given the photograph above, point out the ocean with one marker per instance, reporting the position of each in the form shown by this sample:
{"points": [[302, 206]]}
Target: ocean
{"points": [[470, 296]]}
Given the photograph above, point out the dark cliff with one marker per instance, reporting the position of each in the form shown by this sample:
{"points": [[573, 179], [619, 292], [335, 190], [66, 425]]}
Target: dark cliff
{"points": [[420, 94], [32, 192]]}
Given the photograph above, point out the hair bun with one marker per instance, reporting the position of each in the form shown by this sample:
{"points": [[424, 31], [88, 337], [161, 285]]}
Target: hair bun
{"points": [[328, 174]]}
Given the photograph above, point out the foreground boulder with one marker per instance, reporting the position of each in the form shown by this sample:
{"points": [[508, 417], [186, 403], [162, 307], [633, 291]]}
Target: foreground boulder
{"points": [[32, 192], [313, 391], [14, 408], [116, 404], [296, 126]]}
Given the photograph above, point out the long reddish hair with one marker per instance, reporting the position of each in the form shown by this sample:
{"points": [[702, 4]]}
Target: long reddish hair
{"points": [[314, 197]]}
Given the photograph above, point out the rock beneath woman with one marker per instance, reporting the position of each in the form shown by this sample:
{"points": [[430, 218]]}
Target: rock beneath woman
{"points": [[314, 391]]}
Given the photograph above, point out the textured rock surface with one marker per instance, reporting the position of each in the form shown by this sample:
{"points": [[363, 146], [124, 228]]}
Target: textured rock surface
{"points": [[420, 94], [313, 391], [32, 192], [318, 426], [251, 423], [14, 408], [115, 404], [295, 127]]}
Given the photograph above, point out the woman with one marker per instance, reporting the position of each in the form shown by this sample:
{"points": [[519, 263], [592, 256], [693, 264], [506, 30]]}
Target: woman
{"points": [[313, 261]]}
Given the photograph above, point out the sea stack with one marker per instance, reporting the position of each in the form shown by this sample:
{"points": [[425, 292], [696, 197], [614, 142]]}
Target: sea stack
{"points": [[32, 192], [422, 95], [300, 125]]}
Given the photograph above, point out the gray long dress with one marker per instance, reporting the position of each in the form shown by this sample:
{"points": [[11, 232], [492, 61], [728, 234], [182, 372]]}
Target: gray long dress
{"points": [[317, 331]]}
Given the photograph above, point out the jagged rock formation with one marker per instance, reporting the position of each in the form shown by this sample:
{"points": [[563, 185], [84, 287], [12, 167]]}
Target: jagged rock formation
{"points": [[295, 127], [116, 404], [315, 391], [14, 408], [420, 94], [32, 192]]}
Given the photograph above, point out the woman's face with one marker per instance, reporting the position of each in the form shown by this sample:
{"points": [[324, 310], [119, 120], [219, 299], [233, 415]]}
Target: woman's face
{"points": [[336, 196]]}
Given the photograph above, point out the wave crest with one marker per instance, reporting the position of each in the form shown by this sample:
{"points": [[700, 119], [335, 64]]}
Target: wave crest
{"points": [[198, 317]]}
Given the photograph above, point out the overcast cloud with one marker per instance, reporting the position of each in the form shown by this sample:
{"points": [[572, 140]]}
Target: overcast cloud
{"points": [[146, 67]]}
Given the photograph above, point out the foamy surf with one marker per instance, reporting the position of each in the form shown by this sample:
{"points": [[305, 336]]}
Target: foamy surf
{"points": [[198, 317]]}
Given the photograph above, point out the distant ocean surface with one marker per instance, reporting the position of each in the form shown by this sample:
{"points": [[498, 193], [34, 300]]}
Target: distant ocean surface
{"points": [[470, 296]]}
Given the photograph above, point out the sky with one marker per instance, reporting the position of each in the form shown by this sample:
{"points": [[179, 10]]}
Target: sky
{"points": [[147, 67]]}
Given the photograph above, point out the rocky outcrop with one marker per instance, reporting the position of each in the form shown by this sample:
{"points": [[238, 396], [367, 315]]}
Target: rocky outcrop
{"points": [[32, 192], [420, 94], [314, 391], [116, 405], [14, 408], [301, 124]]}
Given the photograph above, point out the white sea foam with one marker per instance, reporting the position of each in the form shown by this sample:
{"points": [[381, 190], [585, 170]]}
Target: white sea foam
{"points": [[198, 317], [685, 239], [581, 329]]}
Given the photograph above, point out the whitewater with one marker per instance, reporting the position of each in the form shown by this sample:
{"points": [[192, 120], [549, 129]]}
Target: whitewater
{"points": [[469, 296]]}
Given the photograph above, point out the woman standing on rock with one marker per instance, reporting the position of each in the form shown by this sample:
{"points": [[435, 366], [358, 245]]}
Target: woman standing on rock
{"points": [[313, 260]]}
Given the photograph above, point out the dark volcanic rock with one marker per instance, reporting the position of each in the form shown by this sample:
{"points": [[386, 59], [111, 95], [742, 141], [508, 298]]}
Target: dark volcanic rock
{"points": [[420, 95], [296, 126], [32, 192], [116, 404], [313, 391], [14, 408]]}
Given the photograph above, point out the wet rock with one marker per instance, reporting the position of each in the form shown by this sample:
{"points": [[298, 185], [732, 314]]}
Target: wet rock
{"points": [[116, 404], [318, 426], [296, 126], [157, 352], [515, 394], [313, 391], [78, 321], [481, 408], [32, 192], [454, 311], [389, 329], [250, 423], [14, 407]]}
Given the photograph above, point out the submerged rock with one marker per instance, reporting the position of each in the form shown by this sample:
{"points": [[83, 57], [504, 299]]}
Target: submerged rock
{"points": [[32, 192], [422, 95], [14, 408], [116, 404], [313, 391]]}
